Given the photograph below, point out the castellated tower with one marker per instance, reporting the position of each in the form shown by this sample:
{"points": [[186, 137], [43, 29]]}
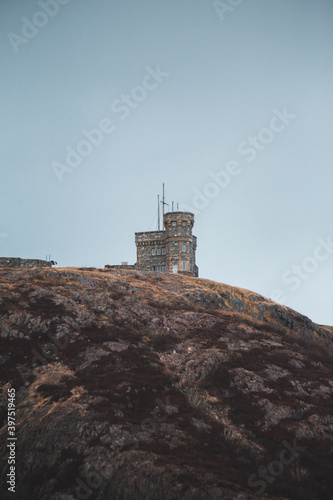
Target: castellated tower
{"points": [[180, 243], [171, 250]]}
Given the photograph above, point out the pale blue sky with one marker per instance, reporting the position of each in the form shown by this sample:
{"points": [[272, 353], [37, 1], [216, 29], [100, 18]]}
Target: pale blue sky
{"points": [[221, 80]]}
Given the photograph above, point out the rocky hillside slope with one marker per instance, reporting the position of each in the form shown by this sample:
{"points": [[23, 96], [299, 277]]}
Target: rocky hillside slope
{"points": [[132, 389]]}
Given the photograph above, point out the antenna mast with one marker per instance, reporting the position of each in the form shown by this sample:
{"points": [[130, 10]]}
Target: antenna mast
{"points": [[163, 204], [158, 210], [163, 201]]}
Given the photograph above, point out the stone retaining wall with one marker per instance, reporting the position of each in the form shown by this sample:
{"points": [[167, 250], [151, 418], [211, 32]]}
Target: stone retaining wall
{"points": [[17, 262], [121, 266]]}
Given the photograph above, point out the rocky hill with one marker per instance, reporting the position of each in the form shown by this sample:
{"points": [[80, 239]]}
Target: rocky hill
{"points": [[130, 388]]}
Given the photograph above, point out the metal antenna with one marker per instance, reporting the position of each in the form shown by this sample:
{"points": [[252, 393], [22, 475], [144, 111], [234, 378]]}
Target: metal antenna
{"points": [[164, 203], [158, 210], [172, 206]]}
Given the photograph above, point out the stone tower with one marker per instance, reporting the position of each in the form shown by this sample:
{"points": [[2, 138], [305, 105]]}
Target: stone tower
{"points": [[180, 243], [171, 250]]}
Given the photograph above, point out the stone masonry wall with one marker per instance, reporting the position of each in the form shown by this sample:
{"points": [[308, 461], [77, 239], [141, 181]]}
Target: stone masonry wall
{"points": [[120, 266], [17, 262], [145, 243]]}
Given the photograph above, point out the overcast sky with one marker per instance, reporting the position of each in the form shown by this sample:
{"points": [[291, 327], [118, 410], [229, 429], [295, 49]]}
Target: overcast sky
{"points": [[229, 103]]}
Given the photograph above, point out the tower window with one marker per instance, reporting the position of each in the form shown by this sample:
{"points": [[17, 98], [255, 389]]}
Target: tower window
{"points": [[184, 223], [184, 248], [163, 251], [184, 266], [158, 251], [174, 223], [163, 269], [153, 252], [153, 268], [158, 268]]}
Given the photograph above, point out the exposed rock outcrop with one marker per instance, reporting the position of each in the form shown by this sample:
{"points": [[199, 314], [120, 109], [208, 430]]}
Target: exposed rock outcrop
{"points": [[132, 388]]}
